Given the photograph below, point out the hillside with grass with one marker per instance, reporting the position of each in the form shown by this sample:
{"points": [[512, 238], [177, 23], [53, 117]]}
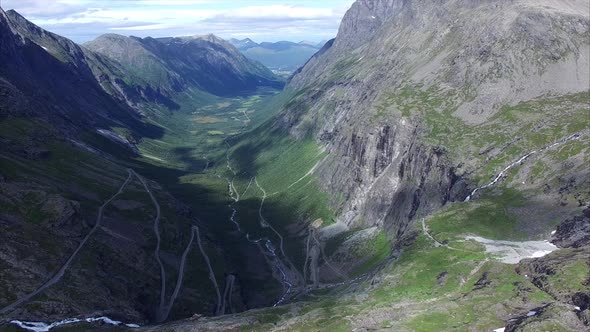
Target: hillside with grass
{"points": [[467, 178], [428, 170]]}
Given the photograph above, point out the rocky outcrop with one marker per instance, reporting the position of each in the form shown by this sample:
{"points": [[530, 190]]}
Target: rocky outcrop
{"points": [[553, 317], [574, 232], [564, 275], [50, 77], [500, 53], [388, 177]]}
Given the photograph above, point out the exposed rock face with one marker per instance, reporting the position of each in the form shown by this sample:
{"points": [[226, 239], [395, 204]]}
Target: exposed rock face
{"points": [[574, 232], [50, 77], [569, 264], [386, 175], [552, 317], [505, 52], [364, 19], [477, 56]]}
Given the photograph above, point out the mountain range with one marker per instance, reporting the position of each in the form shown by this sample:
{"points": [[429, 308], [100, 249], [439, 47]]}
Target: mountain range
{"points": [[426, 170], [74, 118], [282, 56]]}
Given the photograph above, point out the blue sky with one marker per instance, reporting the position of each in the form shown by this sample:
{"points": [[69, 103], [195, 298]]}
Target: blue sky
{"points": [[83, 20]]}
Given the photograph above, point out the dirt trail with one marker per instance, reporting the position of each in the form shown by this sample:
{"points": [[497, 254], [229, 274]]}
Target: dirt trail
{"points": [[161, 307], [425, 231], [57, 277], [264, 245], [227, 294], [473, 272], [263, 221], [211, 272], [206, 168]]}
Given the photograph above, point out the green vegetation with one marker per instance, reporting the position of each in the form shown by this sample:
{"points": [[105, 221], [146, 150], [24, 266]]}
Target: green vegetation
{"points": [[428, 288], [38, 185], [444, 275], [377, 250], [489, 217], [506, 136], [571, 277]]}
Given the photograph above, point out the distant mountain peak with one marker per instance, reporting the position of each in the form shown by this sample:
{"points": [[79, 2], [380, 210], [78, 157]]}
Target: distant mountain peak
{"points": [[174, 63], [209, 37], [243, 44]]}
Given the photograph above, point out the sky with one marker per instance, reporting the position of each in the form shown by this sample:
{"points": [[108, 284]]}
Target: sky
{"points": [[270, 20]]}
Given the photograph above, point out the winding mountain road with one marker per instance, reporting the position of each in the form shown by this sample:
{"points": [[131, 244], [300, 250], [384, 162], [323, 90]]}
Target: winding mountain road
{"points": [[211, 273], [180, 277], [263, 221], [227, 293], [267, 249], [161, 307], [164, 309], [60, 273]]}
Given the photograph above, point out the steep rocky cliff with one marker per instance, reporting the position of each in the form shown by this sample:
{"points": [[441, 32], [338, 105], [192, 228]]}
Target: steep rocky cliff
{"points": [[401, 72], [53, 77], [427, 125]]}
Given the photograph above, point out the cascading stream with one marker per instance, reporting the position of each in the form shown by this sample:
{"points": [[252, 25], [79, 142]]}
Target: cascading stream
{"points": [[522, 159], [268, 248]]}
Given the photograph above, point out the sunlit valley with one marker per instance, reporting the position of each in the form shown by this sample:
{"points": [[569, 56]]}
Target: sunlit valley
{"points": [[425, 170]]}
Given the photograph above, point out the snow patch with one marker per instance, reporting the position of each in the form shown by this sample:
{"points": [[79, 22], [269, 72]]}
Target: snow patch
{"points": [[531, 313], [541, 253], [510, 252], [502, 329], [553, 233], [45, 327]]}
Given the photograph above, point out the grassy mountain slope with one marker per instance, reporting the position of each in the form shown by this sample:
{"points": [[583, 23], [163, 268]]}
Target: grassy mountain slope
{"points": [[72, 122], [169, 65], [414, 106], [352, 200]]}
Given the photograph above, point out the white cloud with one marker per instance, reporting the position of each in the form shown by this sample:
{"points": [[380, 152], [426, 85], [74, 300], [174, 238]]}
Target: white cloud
{"points": [[280, 11], [82, 20]]}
